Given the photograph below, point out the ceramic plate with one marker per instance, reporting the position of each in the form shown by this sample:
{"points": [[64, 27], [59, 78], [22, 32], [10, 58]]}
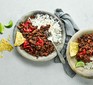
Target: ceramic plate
{"points": [[72, 61], [44, 58]]}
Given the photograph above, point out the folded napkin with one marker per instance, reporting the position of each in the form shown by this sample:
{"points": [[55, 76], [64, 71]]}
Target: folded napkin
{"points": [[71, 28]]}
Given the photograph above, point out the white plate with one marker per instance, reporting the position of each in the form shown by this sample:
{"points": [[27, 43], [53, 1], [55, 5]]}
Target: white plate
{"points": [[72, 61], [44, 58]]}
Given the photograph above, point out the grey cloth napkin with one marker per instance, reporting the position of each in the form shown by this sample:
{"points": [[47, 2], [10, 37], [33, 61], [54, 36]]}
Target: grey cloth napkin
{"points": [[71, 28]]}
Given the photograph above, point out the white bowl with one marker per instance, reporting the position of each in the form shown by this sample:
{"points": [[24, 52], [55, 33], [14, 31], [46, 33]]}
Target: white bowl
{"points": [[72, 61], [44, 58]]}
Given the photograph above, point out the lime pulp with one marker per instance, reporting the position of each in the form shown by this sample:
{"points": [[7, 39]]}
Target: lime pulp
{"points": [[80, 64], [1, 28]]}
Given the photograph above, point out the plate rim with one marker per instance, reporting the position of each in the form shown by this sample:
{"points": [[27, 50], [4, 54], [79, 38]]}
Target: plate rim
{"points": [[31, 13], [81, 71]]}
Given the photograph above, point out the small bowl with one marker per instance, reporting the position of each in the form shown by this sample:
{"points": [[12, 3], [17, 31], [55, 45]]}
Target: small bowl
{"points": [[72, 61], [43, 58]]}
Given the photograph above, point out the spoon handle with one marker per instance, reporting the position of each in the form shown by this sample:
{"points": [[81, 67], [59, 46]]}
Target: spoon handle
{"points": [[61, 57], [59, 54]]}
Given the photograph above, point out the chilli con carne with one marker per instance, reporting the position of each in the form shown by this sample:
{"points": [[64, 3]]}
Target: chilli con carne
{"points": [[85, 48], [36, 42]]}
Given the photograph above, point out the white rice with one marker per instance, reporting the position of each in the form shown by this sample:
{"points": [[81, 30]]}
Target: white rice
{"points": [[54, 29], [89, 65]]}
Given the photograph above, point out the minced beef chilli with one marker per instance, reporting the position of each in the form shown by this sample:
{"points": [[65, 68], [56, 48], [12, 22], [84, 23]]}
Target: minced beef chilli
{"points": [[36, 43], [85, 48]]}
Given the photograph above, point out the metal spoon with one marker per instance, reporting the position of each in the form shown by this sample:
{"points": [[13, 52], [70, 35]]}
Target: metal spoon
{"points": [[59, 54]]}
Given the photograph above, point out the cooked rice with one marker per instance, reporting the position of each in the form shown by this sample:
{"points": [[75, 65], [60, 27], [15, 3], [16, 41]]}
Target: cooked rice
{"points": [[54, 29], [89, 65]]}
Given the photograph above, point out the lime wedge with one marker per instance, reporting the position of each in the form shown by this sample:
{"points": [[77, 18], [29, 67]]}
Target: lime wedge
{"points": [[1, 28], [73, 48], [80, 64], [9, 25]]}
